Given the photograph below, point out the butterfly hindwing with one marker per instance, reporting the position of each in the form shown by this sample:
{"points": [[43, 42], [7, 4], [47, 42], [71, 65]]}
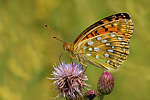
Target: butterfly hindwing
{"points": [[106, 51]]}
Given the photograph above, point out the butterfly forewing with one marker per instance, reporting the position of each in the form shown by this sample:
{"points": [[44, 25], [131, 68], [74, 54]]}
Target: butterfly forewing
{"points": [[120, 23], [106, 42]]}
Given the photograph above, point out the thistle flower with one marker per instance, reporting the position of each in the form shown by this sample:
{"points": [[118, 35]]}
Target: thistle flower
{"points": [[69, 80], [105, 84], [90, 95]]}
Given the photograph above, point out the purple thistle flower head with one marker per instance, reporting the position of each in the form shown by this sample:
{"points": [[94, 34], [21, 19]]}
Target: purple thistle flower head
{"points": [[69, 80], [105, 83]]}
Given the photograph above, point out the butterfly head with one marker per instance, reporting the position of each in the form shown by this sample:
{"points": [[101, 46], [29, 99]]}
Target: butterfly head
{"points": [[68, 47]]}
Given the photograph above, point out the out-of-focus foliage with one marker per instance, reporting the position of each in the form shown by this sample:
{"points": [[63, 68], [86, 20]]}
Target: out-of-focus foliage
{"points": [[27, 51]]}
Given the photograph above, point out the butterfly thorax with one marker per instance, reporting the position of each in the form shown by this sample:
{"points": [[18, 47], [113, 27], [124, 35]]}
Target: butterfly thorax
{"points": [[69, 47]]}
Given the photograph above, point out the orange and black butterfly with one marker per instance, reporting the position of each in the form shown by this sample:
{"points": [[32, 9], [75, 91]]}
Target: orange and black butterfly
{"points": [[105, 43]]}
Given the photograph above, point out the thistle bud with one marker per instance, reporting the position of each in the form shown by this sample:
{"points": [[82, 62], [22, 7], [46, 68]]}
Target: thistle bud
{"points": [[90, 95], [105, 83]]}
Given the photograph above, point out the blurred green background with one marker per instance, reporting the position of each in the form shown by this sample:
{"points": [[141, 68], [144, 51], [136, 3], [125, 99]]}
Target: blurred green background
{"points": [[27, 51]]}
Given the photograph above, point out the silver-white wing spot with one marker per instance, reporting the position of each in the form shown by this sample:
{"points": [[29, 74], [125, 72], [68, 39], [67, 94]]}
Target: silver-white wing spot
{"points": [[88, 54], [110, 51], [104, 40], [96, 49], [112, 35], [98, 38], [90, 49], [106, 55], [107, 44], [90, 42]]}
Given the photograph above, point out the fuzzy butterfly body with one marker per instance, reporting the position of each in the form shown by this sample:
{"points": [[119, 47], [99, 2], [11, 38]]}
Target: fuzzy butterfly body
{"points": [[105, 43]]}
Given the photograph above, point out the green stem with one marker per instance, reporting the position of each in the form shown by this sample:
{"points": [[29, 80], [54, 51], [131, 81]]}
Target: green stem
{"points": [[100, 96]]}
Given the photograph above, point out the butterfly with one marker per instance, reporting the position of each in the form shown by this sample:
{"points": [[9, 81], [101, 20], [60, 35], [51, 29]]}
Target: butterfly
{"points": [[105, 43]]}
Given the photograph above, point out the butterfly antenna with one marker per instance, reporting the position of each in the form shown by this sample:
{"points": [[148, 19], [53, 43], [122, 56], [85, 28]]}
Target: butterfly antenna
{"points": [[55, 33]]}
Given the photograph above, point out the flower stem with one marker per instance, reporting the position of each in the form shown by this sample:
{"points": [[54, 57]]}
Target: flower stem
{"points": [[101, 96]]}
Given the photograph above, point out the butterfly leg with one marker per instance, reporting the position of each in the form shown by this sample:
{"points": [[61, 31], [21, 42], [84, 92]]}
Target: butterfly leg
{"points": [[72, 62], [71, 59], [83, 65]]}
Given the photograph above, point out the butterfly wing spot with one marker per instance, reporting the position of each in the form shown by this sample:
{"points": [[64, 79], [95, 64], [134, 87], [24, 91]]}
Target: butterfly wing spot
{"points": [[119, 38], [124, 49], [107, 44], [115, 64], [108, 61], [104, 40], [106, 55], [122, 54], [126, 22], [90, 49], [118, 59], [84, 47], [110, 51], [97, 56], [98, 38], [96, 49], [88, 54], [127, 26], [106, 29], [112, 35], [113, 47], [90, 42], [123, 43]]}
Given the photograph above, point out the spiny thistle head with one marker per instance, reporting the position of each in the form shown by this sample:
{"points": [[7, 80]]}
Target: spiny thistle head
{"points": [[105, 83], [90, 94], [69, 80]]}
